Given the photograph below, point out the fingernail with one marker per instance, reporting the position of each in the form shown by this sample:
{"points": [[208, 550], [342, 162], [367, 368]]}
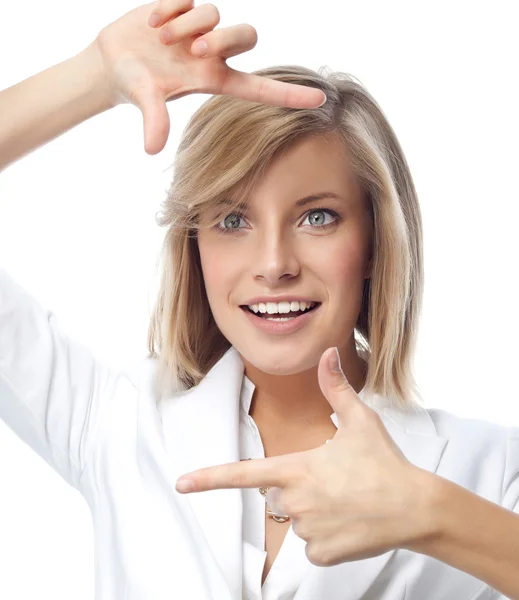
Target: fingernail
{"points": [[323, 102], [199, 48], [154, 20], [335, 361], [185, 485]]}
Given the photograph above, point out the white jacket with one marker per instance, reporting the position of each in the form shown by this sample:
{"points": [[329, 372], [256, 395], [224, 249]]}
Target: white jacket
{"points": [[107, 436]]}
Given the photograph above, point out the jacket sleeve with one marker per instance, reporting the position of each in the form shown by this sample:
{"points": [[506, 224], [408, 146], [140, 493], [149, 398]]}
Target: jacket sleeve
{"points": [[511, 472], [510, 492], [52, 390]]}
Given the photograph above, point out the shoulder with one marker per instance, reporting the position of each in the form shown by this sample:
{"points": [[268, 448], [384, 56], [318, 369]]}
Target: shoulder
{"points": [[141, 372], [477, 453], [452, 425], [469, 436]]}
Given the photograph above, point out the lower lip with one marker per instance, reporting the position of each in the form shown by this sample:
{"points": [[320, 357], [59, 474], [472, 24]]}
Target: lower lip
{"points": [[280, 326]]}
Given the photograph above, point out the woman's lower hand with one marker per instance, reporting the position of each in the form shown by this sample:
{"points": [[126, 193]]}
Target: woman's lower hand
{"points": [[146, 70], [353, 498]]}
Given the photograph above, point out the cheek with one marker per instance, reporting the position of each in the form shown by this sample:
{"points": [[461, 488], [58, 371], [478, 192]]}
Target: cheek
{"points": [[217, 271], [345, 277], [211, 268], [346, 263]]}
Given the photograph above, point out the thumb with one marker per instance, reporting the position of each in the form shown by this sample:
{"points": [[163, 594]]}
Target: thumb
{"points": [[156, 123], [333, 383], [334, 362], [334, 373]]}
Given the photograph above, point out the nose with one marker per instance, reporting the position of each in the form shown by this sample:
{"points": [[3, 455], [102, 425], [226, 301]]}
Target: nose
{"points": [[274, 258]]}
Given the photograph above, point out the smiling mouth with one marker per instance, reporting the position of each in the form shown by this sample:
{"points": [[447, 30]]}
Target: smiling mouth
{"points": [[291, 314]]}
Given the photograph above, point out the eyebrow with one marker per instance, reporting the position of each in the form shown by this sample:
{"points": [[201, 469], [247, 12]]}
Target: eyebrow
{"points": [[300, 202]]}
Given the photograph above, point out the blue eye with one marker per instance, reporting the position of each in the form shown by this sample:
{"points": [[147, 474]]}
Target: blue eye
{"points": [[238, 216], [324, 210], [236, 219]]}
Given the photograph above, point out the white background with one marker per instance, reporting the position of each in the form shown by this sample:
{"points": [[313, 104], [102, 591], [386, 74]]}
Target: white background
{"points": [[77, 225]]}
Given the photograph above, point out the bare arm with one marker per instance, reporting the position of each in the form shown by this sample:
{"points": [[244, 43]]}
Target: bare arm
{"points": [[127, 63], [42, 107]]}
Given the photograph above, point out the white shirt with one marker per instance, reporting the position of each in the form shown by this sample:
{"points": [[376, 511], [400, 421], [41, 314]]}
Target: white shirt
{"points": [[106, 434], [291, 563]]}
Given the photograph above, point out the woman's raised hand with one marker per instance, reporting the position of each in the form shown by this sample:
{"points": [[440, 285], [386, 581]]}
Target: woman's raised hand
{"points": [[146, 69]]}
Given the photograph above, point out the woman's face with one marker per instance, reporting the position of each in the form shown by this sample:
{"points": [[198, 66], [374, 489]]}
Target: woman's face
{"points": [[278, 247]]}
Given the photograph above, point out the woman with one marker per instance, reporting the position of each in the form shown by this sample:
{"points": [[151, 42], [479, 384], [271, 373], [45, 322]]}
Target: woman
{"points": [[385, 509]]}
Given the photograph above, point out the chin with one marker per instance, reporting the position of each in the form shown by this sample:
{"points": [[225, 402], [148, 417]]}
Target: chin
{"points": [[283, 365]]}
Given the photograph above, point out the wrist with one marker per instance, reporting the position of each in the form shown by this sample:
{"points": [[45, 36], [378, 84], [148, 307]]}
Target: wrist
{"points": [[94, 69], [429, 493]]}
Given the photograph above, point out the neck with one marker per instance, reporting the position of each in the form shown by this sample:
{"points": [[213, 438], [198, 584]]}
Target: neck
{"points": [[297, 400]]}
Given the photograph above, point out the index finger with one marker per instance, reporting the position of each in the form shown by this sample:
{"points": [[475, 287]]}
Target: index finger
{"points": [[275, 471], [270, 91]]}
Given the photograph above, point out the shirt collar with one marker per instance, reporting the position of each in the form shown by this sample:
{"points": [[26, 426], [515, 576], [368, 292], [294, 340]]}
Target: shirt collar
{"points": [[247, 391]]}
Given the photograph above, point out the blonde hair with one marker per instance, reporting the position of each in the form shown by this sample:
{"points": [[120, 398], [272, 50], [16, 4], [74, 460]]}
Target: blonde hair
{"points": [[226, 146]]}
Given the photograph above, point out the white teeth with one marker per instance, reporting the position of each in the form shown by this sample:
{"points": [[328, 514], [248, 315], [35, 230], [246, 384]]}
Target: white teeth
{"points": [[281, 307]]}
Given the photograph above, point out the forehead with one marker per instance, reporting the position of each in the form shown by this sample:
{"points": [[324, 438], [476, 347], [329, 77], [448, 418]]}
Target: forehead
{"points": [[310, 167]]}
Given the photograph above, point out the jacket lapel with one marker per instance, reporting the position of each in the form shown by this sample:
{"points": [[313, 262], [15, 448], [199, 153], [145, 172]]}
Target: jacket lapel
{"points": [[201, 429]]}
